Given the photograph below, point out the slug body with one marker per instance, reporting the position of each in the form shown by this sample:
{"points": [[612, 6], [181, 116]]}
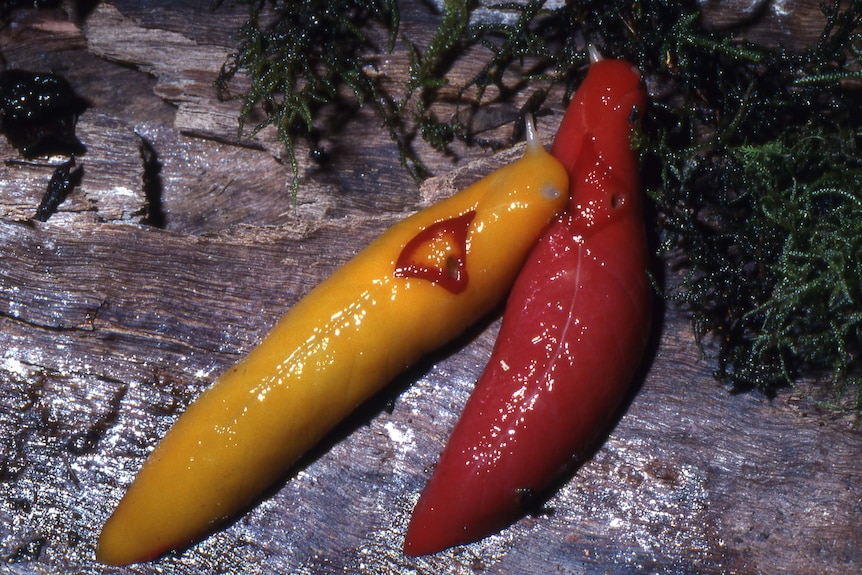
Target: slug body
{"points": [[413, 289], [574, 331]]}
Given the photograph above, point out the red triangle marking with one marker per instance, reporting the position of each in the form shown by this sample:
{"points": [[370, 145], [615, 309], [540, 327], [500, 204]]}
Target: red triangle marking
{"points": [[452, 275]]}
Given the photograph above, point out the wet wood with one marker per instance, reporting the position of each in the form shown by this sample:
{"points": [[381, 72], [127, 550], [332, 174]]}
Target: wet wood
{"points": [[110, 326]]}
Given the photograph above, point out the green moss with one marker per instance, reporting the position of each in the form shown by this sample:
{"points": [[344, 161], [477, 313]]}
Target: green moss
{"points": [[298, 55], [428, 67], [299, 61], [759, 189]]}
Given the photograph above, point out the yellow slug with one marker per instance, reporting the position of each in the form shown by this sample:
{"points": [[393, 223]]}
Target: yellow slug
{"points": [[413, 289]]}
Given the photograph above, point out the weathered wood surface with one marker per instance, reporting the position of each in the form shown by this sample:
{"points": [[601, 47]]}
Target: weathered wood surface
{"points": [[109, 327]]}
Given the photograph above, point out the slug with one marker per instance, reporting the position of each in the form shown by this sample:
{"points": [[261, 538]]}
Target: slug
{"points": [[574, 332], [413, 289]]}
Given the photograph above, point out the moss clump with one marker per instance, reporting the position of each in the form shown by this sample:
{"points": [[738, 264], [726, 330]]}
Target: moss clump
{"points": [[299, 54], [301, 59], [759, 187]]}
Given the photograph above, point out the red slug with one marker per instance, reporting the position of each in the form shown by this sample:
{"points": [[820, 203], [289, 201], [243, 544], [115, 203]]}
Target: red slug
{"points": [[573, 335]]}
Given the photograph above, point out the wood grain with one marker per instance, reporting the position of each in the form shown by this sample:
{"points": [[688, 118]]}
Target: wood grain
{"points": [[109, 327]]}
